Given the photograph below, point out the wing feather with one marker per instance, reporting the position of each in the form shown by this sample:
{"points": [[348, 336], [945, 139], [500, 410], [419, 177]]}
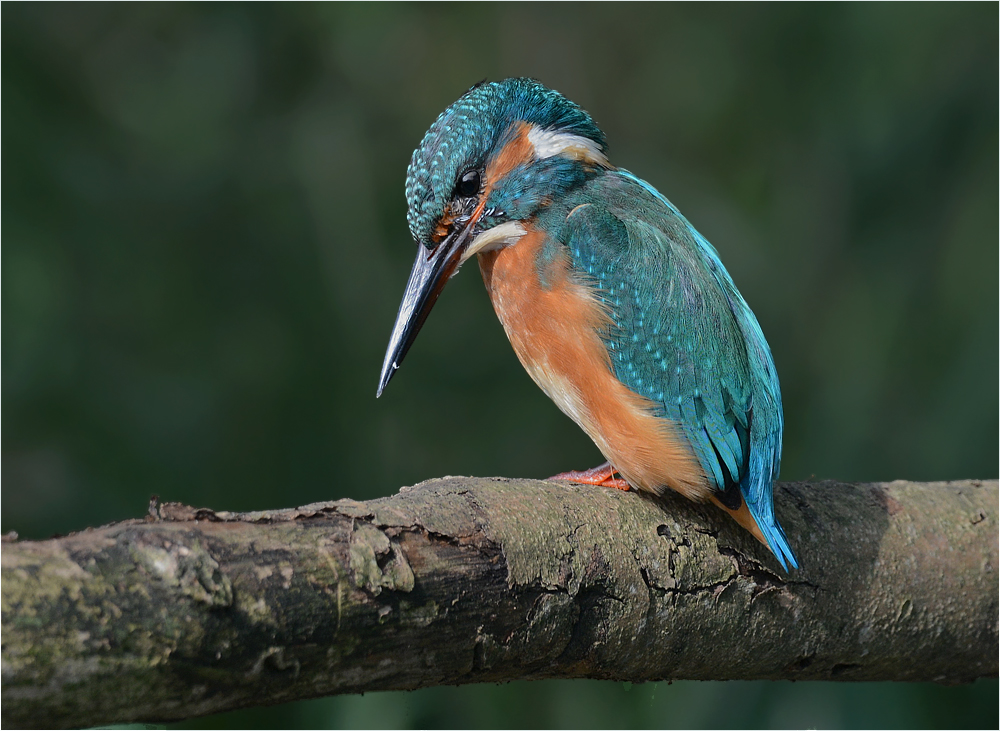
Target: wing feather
{"points": [[683, 336]]}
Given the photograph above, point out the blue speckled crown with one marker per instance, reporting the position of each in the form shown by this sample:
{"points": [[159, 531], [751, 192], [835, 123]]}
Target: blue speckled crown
{"points": [[463, 135]]}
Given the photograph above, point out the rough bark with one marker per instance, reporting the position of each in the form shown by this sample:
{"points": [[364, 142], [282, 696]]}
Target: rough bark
{"points": [[465, 580]]}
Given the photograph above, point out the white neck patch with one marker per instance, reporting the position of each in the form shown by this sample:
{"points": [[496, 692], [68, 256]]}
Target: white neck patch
{"points": [[550, 142], [505, 234]]}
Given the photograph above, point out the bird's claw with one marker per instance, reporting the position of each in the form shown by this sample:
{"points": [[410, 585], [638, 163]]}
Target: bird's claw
{"points": [[603, 475]]}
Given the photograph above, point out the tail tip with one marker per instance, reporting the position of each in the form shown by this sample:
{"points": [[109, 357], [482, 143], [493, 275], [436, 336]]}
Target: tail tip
{"points": [[778, 544]]}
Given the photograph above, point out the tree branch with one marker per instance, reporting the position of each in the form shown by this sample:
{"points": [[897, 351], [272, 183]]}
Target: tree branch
{"points": [[465, 580]]}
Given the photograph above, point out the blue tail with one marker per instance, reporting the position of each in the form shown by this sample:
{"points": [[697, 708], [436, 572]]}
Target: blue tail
{"points": [[774, 535]]}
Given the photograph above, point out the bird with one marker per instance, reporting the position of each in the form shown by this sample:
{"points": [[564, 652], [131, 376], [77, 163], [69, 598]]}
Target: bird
{"points": [[619, 310]]}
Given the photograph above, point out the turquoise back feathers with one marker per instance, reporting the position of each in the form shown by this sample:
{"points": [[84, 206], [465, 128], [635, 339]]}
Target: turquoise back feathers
{"points": [[683, 335]]}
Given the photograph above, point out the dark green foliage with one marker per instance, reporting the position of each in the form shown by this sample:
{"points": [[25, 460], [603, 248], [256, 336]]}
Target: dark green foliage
{"points": [[204, 242]]}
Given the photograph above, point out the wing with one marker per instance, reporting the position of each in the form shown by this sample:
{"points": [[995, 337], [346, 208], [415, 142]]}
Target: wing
{"points": [[685, 338]]}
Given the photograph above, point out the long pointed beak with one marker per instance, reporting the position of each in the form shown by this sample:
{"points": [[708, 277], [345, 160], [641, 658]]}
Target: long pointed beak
{"points": [[431, 271]]}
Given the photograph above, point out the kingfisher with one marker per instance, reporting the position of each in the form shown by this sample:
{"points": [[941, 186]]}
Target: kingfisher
{"points": [[617, 307]]}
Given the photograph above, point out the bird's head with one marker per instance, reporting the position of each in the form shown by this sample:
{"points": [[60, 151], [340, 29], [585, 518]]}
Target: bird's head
{"points": [[488, 164]]}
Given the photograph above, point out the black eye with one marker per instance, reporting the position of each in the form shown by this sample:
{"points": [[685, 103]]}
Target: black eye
{"points": [[468, 184]]}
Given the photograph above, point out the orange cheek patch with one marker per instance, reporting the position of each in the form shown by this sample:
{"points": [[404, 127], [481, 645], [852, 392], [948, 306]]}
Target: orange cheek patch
{"points": [[517, 151], [555, 332]]}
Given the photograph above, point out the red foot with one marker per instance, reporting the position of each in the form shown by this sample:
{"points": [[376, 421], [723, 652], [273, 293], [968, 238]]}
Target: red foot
{"points": [[602, 475]]}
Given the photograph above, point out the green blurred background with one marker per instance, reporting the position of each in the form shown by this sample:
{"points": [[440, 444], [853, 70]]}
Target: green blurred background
{"points": [[204, 246]]}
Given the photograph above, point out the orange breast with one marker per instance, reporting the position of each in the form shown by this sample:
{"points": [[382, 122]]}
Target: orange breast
{"points": [[555, 331]]}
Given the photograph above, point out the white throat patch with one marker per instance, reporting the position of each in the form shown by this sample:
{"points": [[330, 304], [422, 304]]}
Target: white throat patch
{"points": [[497, 237], [548, 142]]}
